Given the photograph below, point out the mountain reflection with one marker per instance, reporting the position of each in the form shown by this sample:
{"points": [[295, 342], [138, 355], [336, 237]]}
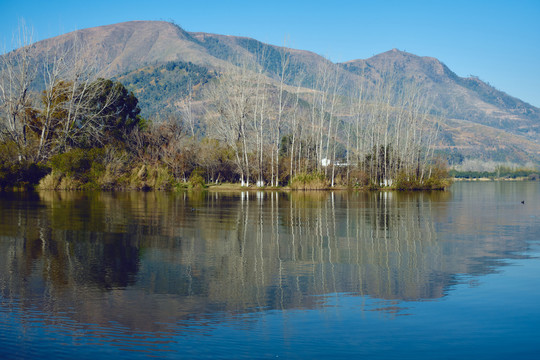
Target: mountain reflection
{"points": [[145, 260]]}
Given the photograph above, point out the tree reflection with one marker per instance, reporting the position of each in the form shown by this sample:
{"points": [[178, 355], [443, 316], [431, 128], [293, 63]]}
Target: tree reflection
{"points": [[148, 259]]}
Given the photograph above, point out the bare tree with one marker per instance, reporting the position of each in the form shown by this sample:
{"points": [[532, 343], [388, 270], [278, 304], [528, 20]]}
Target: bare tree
{"points": [[187, 110], [82, 73], [295, 128], [284, 62], [16, 76], [234, 101]]}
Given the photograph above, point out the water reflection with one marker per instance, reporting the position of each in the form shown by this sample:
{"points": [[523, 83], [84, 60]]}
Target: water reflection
{"points": [[148, 261]]}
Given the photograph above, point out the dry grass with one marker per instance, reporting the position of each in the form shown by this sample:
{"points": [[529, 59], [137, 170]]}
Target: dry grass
{"points": [[315, 181], [55, 181]]}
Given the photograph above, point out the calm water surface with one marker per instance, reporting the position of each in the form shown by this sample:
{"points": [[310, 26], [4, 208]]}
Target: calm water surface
{"points": [[389, 275]]}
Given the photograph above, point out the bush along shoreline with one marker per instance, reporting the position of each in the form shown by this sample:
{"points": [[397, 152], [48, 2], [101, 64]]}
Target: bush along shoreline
{"points": [[113, 169]]}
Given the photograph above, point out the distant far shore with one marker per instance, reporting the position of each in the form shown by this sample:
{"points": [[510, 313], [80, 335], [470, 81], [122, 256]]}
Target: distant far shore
{"points": [[524, 178]]}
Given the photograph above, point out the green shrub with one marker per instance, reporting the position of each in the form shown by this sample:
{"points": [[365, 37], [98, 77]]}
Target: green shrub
{"points": [[196, 181], [81, 169], [405, 182], [8, 152], [436, 183], [439, 177], [16, 173], [80, 164], [21, 174]]}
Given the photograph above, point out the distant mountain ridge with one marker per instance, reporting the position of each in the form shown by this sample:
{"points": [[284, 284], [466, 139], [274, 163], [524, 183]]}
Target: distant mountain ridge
{"points": [[481, 121], [459, 98]]}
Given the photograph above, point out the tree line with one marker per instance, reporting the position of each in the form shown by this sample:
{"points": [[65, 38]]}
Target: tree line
{"points": [[370, 134], [63, 125]]}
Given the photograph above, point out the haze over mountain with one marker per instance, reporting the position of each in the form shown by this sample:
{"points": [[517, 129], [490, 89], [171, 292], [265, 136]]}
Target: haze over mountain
{"points": [[477, 120]]}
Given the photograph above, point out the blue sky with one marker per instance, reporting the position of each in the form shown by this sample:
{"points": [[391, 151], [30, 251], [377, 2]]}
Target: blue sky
{"points": [[497, 41]]}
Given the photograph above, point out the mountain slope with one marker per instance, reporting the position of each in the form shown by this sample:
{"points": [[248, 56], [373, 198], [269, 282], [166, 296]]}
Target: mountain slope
{"points": [[127, 46], [455, 97]]}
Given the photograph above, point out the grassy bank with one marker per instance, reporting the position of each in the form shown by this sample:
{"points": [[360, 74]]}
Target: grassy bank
{"points": [[111, 168]]}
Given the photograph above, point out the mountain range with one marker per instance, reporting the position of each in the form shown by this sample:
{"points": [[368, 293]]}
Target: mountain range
{"points": [[157, 60]]}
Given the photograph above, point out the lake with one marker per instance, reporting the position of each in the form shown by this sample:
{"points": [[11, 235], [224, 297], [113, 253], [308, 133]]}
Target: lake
{"points": [[384, 275]]}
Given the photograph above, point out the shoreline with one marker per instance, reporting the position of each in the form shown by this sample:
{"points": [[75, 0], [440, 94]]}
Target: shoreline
{"points": [[232, 187], [486, 179]]}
